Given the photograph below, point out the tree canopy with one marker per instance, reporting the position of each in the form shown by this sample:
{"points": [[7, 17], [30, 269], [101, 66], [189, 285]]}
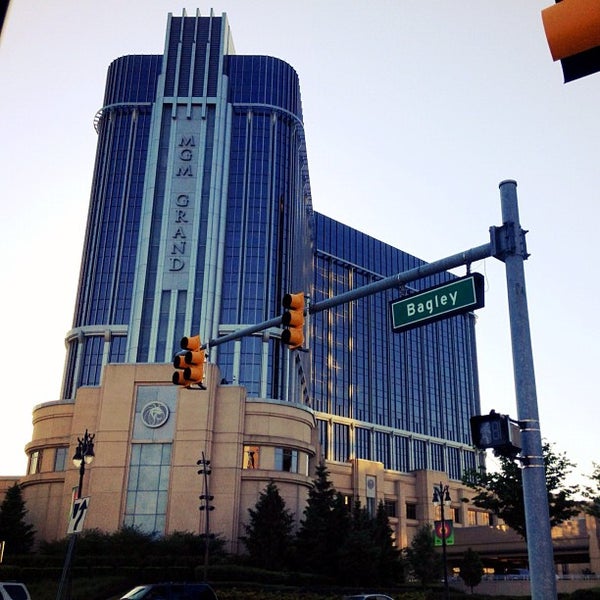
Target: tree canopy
{"points": [[14, 531], [471, 568], [269, 532], [502, 492], [424, 562], [592, 493]]}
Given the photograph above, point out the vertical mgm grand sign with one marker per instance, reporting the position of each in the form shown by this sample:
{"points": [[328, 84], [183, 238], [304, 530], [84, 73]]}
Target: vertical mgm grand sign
{"points": [[439, 302]]}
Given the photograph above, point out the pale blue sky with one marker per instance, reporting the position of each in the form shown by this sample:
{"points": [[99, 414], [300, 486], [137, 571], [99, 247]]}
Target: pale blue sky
{"points": [[414, 111]]}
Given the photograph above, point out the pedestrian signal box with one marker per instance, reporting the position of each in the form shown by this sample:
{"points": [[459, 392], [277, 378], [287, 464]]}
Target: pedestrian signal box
{"points": [[497, 432]]}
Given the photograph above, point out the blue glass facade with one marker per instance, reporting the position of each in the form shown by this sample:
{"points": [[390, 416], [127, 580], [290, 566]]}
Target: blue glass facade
{"points": [[201, 219], [200, 213], [402, 399], [108, 264]]}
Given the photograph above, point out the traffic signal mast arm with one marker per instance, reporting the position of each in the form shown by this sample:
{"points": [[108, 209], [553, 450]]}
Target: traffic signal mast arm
{"points": [[508, 239], [445, 264]]}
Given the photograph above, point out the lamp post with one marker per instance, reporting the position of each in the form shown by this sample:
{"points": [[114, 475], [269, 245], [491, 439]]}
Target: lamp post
{"points": [[441, 498], [84, 455]]}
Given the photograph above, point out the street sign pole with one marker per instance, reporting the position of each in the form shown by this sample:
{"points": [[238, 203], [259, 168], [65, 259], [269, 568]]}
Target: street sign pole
{"points": [[537, 519]]}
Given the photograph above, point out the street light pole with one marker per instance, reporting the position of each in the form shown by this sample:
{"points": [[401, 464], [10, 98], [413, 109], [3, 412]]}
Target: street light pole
{"points": [[441, 498], [84, 455]]}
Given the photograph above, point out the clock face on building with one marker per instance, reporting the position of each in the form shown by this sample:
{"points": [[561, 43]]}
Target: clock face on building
{"points": [[155, 414]]}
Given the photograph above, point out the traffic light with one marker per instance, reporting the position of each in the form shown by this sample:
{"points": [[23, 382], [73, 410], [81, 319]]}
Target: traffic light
{"points": [[189, 362], [293, 320], [497, 432], [573, 32]]}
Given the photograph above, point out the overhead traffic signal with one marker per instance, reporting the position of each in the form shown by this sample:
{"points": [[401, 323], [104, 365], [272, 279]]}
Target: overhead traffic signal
{"points": [[293, 320], [189, 362], [573, 32]]}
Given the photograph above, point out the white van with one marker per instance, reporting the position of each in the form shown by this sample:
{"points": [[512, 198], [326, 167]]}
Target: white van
{"points": [[11, 590]]}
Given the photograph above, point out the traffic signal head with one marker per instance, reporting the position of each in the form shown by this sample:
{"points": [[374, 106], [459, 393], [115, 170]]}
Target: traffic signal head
{"points": [[572, 30], [189, 362], [191, 343], [293, 320]]}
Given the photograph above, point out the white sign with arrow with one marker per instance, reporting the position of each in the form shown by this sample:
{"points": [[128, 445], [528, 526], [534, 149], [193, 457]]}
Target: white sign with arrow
{"points": [[80, 507]]}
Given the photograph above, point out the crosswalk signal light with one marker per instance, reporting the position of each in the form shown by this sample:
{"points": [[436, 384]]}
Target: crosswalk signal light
{"points": [[189, 362], [572, 30], [498, 432], [293, 320]]}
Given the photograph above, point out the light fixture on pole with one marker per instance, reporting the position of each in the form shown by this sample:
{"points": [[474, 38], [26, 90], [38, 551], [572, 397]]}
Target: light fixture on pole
{"points": [[84, 455], [441, 498]]}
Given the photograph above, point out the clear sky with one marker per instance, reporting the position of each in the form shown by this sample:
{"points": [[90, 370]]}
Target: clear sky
{"points": [[415, 111]]}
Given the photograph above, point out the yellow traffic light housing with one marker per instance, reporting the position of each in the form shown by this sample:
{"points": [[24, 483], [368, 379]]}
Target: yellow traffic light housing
{"points": [[293, 320], [189, 362], [572, 30]]}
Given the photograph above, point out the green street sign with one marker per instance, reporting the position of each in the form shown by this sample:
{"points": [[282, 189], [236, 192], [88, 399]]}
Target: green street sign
{"points": [[440, 302]]}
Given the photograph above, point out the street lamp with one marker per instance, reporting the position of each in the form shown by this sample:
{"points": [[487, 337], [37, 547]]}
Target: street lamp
{"points": [[84, 455], [441, 498]]}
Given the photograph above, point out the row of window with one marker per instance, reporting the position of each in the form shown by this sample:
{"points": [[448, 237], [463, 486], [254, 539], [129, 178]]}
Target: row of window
{"points": [[342, 442], [255, 457], [147, 490], [35, 460], [275, 458]]}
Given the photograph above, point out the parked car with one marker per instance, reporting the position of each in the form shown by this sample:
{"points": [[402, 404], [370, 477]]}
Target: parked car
{"points": [[171, 591], [12, 590], [368, 597], [517, 574]]}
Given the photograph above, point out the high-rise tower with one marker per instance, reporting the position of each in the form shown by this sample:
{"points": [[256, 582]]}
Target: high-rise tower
{"points": [[200, 212], [200, 221]]}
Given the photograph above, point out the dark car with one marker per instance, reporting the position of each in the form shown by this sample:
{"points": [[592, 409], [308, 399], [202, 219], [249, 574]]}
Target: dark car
{"points": [[11, 590], [171, 591]]}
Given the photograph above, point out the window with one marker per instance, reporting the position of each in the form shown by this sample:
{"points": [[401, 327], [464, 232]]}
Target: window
{"points": [[60, 458], [251, 457], [35, 462], [371, 506], [148, 487], [348, 501], [286, 459], [411, 510], [472, 516], [455, 514], [390, 508]]}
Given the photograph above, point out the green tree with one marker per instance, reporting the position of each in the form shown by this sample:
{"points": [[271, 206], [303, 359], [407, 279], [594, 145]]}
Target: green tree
{"points": [[390, 568], [324, 528], [14, 531], [592, 493], [269, 536], [358, 557], [424, 562], [471, 568], [502, 492]]}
